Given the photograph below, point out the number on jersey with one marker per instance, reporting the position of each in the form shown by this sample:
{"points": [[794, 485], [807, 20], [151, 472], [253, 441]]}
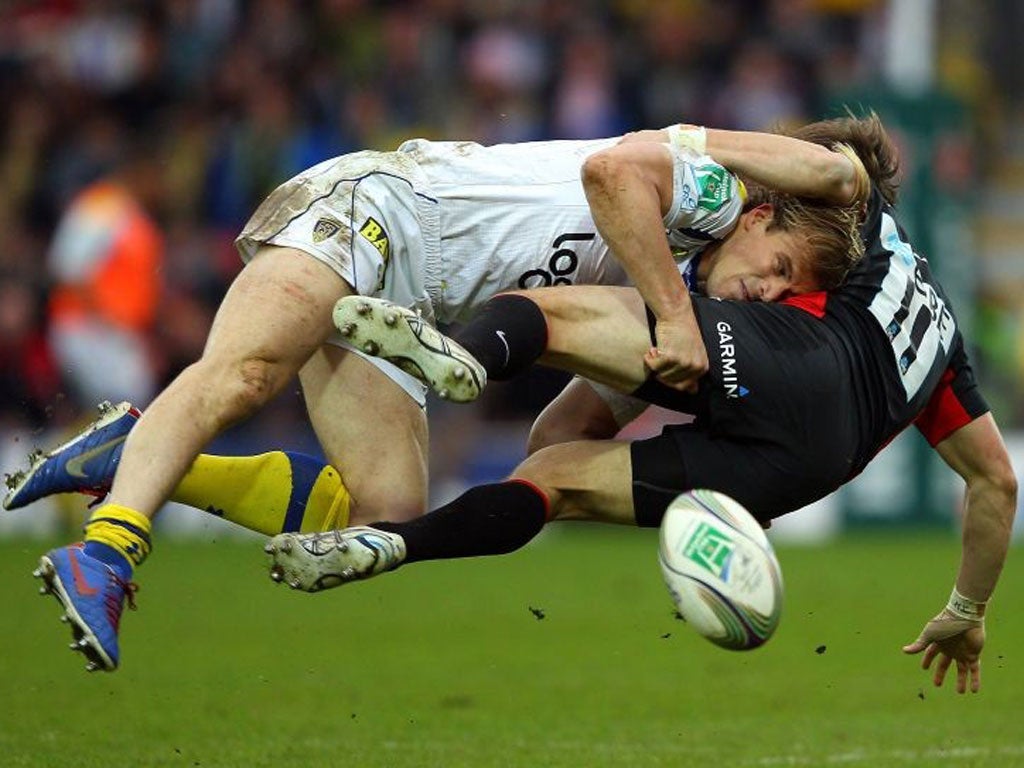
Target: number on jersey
{"points": [[916, 319]]}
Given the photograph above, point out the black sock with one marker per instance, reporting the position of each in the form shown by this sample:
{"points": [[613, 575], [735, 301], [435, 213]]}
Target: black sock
{"points": [[507, 336], [486, 520]]}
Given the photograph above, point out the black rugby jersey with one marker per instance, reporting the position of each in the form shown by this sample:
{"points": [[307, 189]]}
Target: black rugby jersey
{"points": [[901, 338], [795, 404]]}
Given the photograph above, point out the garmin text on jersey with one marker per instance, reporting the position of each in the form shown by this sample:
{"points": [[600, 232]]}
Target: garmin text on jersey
{"points": [[727, 355]]}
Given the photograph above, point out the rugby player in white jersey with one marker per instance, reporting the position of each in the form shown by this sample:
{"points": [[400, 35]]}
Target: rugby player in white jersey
{"points": [[437, 227]]}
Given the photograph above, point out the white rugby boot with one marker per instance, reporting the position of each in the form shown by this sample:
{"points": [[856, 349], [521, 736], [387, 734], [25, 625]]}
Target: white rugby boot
{"points": [[316, 561], [383, 329]]}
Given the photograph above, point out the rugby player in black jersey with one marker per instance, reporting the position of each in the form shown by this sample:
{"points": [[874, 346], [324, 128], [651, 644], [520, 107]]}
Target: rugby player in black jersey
{"points": [[797, 396]]}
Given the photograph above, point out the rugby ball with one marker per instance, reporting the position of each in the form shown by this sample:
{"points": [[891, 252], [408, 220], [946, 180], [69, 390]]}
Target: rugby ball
{"points": [[721, 570]]}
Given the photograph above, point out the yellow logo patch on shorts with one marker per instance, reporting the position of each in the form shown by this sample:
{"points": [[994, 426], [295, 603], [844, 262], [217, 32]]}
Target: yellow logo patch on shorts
{"points": [[325, 229], [376, 236]]}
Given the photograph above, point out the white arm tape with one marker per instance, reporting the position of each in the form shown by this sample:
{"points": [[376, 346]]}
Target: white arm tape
{"points": [[692, 137], [965, 608]]}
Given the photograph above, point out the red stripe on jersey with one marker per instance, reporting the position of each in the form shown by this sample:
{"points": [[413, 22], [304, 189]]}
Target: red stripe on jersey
{"points": [[944, 413], [809, 302]]}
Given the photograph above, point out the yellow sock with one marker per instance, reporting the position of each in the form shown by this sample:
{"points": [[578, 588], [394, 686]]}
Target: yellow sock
{"points": [[268, 493], [328, 503], [121, 529]]}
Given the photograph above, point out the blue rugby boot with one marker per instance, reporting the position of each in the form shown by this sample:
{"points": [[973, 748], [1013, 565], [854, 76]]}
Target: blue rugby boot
{"points": [[93, 597], [84, 464]]}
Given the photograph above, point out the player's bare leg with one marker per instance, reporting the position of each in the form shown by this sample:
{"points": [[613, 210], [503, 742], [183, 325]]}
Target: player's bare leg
{"points": [[355, 410], [600, 332], [274, 316], [577, 413], [584, 480], [375, 434], [372, 431]]}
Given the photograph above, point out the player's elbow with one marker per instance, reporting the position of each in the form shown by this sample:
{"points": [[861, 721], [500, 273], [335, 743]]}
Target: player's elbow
{"points": [[604, 171], [845, 177]]}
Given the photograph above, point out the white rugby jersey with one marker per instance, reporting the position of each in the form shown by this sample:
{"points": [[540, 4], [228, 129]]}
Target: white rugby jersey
{"points": [[515, 216]]}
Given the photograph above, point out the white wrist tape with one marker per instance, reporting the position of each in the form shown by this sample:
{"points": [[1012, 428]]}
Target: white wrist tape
{"points": [[965, 608], [693, 137]]}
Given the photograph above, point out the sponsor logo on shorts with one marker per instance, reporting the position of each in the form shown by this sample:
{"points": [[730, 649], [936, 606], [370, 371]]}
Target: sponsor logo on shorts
{"points": [[727, 354], [325, 229], [376, 236]]}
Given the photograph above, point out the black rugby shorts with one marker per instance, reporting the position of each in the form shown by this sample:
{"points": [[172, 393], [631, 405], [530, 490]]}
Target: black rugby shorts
{"points": [[774, 426]]}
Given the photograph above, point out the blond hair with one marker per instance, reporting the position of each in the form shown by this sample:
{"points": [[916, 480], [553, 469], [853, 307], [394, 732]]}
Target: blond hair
{"points": [[830, 231]]}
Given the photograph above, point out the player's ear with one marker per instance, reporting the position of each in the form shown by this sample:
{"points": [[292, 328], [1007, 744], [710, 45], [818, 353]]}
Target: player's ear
{"points": [[758, 215]]}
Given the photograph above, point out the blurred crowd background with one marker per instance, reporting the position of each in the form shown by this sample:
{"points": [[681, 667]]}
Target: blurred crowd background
{"points": [[137, 137]]}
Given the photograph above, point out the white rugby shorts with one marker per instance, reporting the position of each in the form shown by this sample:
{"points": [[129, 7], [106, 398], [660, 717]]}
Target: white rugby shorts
{"points": [[368, 217]]}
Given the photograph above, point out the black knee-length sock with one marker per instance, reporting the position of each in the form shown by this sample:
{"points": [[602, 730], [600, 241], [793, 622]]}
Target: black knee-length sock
{"points": [[507, 336], [486, 520]]}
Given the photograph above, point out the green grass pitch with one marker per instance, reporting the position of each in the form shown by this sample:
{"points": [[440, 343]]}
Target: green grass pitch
{"points": [[564, 654]]}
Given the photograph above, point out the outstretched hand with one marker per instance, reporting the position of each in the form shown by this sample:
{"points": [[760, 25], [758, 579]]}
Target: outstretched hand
{"points": [[952, 639], [680, 358]]}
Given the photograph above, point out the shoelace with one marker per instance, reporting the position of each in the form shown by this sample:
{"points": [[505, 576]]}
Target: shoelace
{"points": [[115, 603], [311, 542]]}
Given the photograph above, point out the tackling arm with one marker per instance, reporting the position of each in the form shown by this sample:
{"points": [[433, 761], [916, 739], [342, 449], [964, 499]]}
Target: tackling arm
{"points": [[976, 452], [629, 188], [792, 166], [788, 165]]}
